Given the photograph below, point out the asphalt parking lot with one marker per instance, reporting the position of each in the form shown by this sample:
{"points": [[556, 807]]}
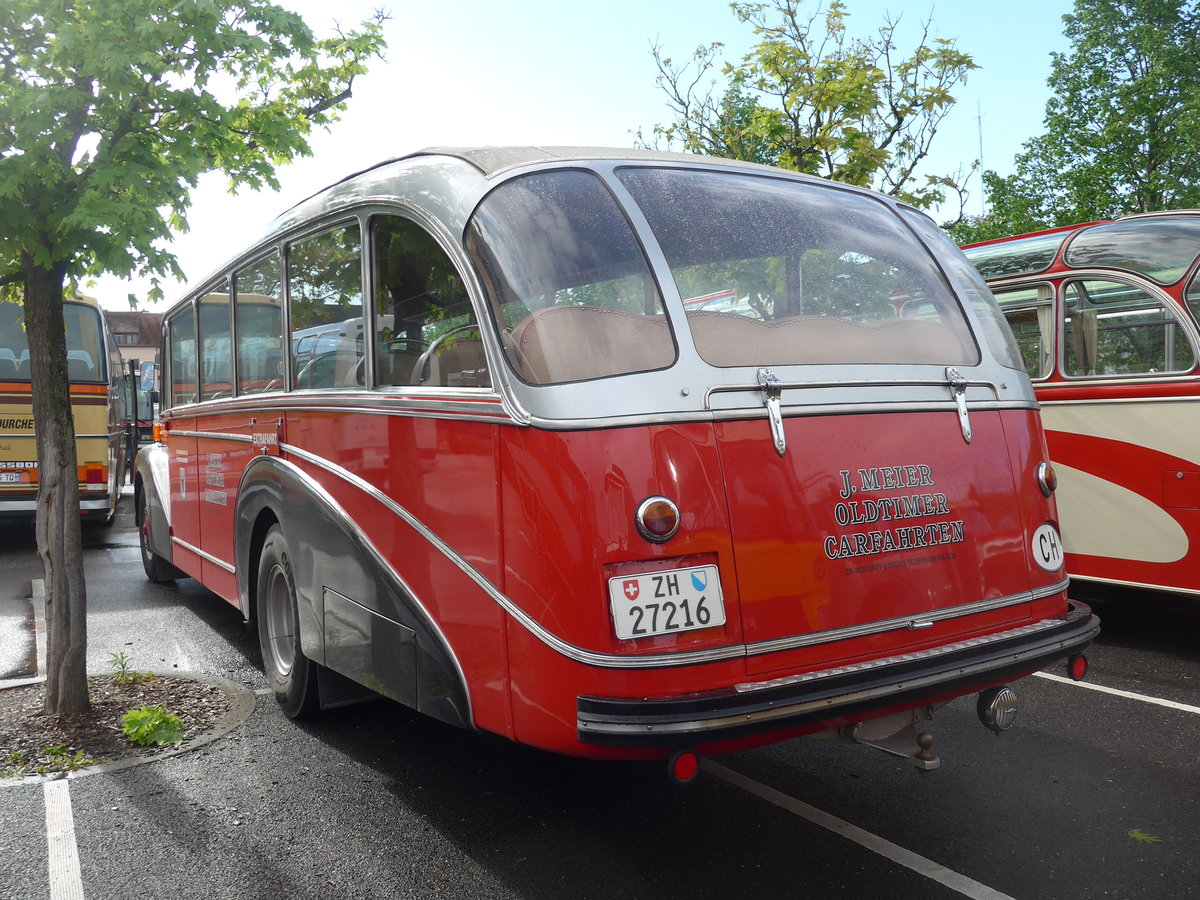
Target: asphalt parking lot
{"points": [[1094, 793]]}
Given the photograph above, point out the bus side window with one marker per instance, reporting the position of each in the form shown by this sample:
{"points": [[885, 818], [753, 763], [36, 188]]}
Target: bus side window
{"points": [[1192, 298], [259, 317], [1030, 315], [425, 328], [1114, 328], [325, 289], [216, 356], [181, 342]]}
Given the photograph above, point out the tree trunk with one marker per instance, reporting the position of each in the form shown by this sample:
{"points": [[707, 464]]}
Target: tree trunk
{"points": [[59, 539]]}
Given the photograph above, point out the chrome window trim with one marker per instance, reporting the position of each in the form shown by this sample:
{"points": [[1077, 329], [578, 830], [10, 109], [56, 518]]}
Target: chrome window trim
{"points": [[656, 660], [206, 556]]}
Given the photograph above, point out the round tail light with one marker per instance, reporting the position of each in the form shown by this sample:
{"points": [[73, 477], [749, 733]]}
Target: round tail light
{"points": [[1047, 478], [657, 519]]}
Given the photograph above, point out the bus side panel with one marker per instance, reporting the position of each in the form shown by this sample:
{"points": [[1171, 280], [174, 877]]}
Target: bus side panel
{"points": [[97, 450], [18, 452], [569, 504], [184, 481], [1129, 490], [219, 464], [441, 472]]}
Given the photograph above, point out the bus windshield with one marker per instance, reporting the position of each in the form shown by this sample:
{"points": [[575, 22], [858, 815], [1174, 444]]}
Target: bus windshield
{"points": [[85, 349]]}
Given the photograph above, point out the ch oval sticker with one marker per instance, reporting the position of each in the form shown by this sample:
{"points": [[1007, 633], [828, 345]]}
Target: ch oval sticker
{"points": [[1047, 548]]}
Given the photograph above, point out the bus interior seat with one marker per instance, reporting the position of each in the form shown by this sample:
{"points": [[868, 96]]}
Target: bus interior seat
{"points": [[461, 364], [574, 343], [721, 339], [80, 366]]}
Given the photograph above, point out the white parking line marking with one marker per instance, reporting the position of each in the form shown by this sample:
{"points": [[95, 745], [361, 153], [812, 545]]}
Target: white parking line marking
{"points": [[66, 882], [961, 883], [1157, 701]]}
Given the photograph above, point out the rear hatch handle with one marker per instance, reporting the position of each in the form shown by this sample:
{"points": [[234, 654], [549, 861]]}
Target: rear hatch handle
{"points": [[958, 388], [772, 389]]}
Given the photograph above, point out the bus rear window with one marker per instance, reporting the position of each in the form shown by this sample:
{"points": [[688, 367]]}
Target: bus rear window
{"points": [[772, 272], [85, 344], [567, 281]]}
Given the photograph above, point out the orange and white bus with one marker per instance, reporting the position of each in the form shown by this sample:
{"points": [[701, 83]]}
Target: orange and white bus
{"points": [[1106, 316], [98, 407], [533, 484]]}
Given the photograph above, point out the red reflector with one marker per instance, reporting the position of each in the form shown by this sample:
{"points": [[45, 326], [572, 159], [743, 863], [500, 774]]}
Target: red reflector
{"points": [[683, 766], [95, 475], [1077, 667]]}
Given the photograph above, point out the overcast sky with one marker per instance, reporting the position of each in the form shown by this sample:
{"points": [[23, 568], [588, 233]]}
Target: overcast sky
{"points": [[484, 72]]}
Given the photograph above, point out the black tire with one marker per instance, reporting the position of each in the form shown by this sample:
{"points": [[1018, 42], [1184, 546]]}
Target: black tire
{"points": [[157, 569], [291, 674]]}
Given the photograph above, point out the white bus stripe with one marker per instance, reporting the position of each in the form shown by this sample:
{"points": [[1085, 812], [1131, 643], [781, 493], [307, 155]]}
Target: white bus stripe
{"points": [[961, 883], [66, 882], [1158, 701]]}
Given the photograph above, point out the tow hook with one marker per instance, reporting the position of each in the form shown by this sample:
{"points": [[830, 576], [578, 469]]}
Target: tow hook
{"points": [[901, 744]]}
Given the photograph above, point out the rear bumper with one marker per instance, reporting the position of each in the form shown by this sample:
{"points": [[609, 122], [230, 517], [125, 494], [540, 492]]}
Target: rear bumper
{"points": [[911, 679]]}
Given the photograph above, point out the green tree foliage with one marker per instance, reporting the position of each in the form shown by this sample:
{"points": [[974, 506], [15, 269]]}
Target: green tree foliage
{"points": [[109, 113], [1122, 128], [810, 97]]}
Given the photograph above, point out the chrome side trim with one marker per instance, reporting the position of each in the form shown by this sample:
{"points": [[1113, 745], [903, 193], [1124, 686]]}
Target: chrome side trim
{"points": [[905, 622], [213, 436], [484, 407], [647, 661], [788, 412], [207, 556], [383, 562]]}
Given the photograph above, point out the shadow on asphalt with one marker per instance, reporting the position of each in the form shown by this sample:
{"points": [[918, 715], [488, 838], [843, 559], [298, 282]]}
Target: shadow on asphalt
{"points": [[1145, 620]]}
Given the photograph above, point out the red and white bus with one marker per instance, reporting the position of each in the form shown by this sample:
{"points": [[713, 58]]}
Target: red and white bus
{"points": [[550, 497], [98, 408], [1106, 315]]}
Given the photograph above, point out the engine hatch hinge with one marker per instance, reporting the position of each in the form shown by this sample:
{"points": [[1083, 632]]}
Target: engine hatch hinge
{"points": [[958, 388], [772, 389]]}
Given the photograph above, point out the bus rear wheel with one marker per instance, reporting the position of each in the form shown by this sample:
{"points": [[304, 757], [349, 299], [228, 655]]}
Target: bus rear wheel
{"points": [[291, 675]]}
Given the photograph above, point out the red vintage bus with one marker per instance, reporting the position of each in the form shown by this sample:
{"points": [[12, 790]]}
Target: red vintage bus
{"points": [[1105, 313], [528, 485]]}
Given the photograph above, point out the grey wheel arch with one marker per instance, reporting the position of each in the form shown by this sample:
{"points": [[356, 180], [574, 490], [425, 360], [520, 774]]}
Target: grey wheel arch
{"points": [[356, 615], [150, 479]]}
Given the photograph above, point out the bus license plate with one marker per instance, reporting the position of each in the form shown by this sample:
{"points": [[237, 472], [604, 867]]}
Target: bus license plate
{"points": [[666, 601], [10, 477]]}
